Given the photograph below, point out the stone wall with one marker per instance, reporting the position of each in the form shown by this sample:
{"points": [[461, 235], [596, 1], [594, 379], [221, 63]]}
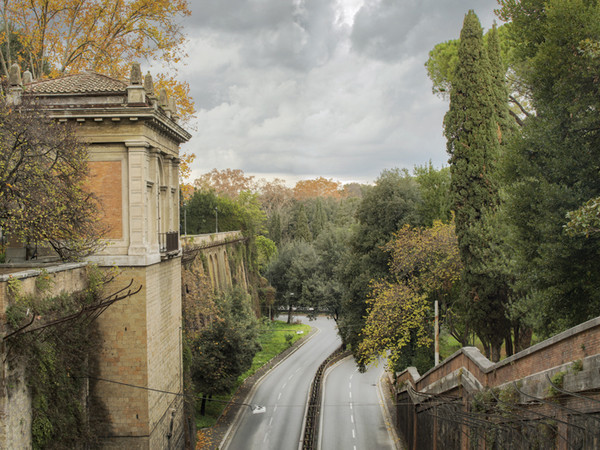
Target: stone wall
{"points": [[216, 248], [426, 414], [142, 350], [15, 401]]}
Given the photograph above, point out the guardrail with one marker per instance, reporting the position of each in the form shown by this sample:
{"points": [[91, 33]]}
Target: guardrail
{"points": [[310, 439]]}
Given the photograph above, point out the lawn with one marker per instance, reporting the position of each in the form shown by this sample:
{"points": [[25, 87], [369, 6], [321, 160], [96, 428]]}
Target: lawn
{"points": [[274, 338]]}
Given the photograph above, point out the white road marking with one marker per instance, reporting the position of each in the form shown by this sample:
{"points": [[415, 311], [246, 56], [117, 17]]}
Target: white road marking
{"points": [[283, 387], [275, 409], [349, 385], [271, 422], [350, 405], [352, 418], [291, 376], [279, 396], [353, 434], [350, 394]]}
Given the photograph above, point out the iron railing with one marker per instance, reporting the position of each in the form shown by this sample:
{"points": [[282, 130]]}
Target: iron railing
{"points": [[168, 242]]}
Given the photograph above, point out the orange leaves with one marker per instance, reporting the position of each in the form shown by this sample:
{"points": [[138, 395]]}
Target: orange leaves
{"points": [[319, 187], [227, 182]]}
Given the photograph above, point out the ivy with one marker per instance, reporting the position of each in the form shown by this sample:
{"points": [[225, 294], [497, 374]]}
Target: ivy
{"points": [[57, 361]]}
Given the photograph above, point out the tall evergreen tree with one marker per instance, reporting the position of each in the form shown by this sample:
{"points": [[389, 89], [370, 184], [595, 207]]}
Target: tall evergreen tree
{"points": [[471, 129], [300, 224], [553, 166]]}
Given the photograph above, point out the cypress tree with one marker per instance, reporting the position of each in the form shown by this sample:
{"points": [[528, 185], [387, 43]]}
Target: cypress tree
{"points": [[301, 228], [471, 129]]}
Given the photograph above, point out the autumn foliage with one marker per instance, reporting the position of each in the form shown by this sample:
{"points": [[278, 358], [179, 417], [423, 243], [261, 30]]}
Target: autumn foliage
{"points": [[55, 37], [319, 187], [43, 180], [425, 264]]}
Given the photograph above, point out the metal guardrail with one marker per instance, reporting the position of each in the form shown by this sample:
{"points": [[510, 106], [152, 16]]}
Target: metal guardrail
{"points": [[310, 439]]}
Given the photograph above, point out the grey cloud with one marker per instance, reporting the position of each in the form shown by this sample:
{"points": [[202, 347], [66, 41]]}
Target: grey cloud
{"points": [[391, 30], [294, 34], [237, 16]]}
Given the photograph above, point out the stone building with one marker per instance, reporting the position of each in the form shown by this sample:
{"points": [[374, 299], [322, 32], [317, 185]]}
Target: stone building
{"points": [[133, 138]]}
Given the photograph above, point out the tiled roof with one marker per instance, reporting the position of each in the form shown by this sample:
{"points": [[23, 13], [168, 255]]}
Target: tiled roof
{"points": [[80, 83]]}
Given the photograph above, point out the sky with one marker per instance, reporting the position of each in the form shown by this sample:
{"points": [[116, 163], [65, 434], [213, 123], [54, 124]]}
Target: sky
{"points": [[298, 89]]}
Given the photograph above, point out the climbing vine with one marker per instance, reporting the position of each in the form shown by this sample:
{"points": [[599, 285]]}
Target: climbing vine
{"points": [[54, 340]]}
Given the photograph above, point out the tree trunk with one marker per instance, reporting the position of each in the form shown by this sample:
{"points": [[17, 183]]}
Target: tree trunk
{"points": [[524, 340], [289, 314], [508, 343], [203, 405]]}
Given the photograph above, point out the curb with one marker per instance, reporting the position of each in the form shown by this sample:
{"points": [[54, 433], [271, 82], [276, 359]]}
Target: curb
{"points": [[384, 402]]}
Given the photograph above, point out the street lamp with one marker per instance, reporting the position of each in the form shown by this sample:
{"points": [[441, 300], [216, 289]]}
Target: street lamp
{"points": [[185, 219], [216, 219]]}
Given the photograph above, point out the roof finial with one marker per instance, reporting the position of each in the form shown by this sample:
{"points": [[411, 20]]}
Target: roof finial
{"points": [[148, 84], [14, 76], [136, 74]]}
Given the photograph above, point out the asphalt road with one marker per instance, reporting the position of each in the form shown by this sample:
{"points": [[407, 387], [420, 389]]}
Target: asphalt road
{"points": [[352, 416], [284, 393]]}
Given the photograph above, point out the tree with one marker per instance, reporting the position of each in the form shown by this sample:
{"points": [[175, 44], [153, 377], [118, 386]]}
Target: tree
{"points": [[95, 35], [435, 193], [385, 207], [552, 168], [224, 350], [55, 37], [44, 194], [243, 213], [326, 287], [425, 266], [299, 225], [471, 129], [319, 187], [227, 182], [297, 263], [274, 195], [443, 60]]}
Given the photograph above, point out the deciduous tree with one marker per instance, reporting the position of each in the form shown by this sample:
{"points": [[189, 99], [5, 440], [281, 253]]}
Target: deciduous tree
{"points": [[319, 187], [43, 184], [227, 182]]}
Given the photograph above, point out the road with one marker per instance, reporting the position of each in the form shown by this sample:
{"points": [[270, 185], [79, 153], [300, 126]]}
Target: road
{"points": [[351, 416], [284, 392]]}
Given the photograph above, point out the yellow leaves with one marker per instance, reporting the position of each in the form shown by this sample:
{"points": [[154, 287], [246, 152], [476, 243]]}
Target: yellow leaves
{"points": [[424, 261], [395, 313], [100, 35], [180, 91]]}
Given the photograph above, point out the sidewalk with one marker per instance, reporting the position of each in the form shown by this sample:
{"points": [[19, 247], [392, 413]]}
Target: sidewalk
{"points": [[386, 392]]}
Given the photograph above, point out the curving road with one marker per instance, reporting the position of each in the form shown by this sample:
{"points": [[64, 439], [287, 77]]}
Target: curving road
{"points": [[284, 392], [352, 416]]}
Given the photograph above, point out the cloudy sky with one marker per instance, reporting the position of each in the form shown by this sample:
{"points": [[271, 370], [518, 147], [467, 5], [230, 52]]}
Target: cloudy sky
{"points": [[305, 88]]}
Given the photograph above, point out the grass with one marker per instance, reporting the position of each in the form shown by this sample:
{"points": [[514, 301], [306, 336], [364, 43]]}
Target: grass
{"points": [[274, 339]]}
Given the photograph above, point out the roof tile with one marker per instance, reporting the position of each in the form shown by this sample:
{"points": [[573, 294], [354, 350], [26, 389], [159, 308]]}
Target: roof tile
{"points": [[80, 83]]}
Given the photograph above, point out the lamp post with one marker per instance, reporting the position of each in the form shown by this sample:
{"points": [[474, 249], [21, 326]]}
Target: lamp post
{"points": [[291, 297], [185, 219], [216, 220]]}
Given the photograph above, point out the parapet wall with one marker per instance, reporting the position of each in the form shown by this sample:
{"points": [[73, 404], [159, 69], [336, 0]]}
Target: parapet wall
{"points": [[15, 399], [571, 358]]}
